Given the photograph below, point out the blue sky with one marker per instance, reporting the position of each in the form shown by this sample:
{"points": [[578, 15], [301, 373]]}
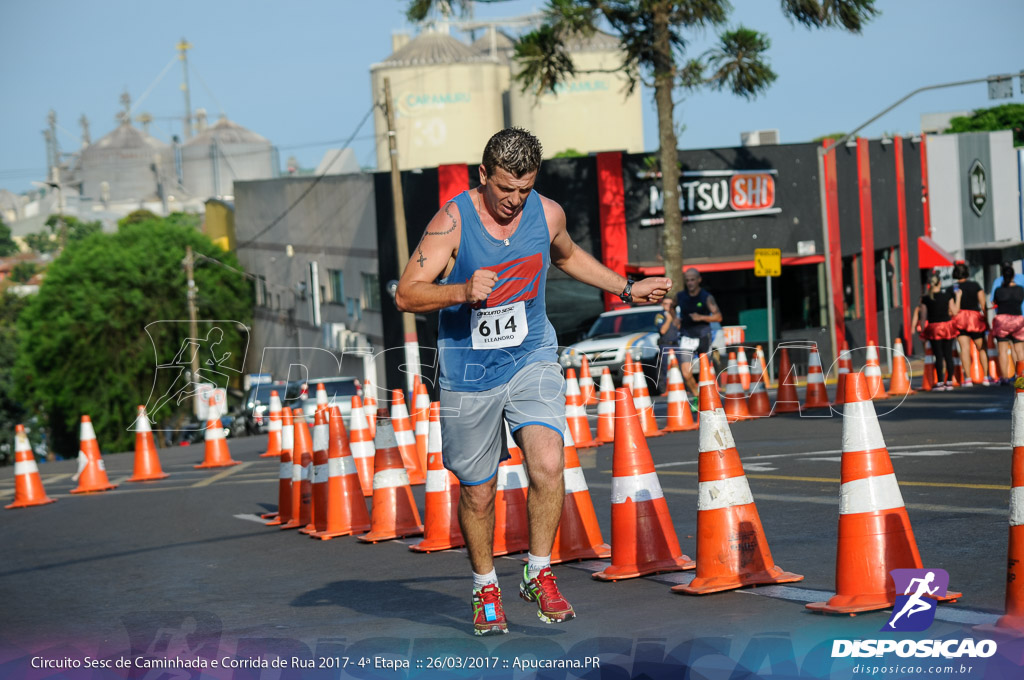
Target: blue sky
{"points": [[298, 72]]}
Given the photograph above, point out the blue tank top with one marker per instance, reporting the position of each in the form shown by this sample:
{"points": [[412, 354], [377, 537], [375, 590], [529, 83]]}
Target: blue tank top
{"points": [[483, 348]]}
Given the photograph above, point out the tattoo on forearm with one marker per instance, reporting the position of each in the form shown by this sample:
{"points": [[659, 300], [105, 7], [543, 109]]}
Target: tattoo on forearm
{"points": [[422, 258], [449, 229]]}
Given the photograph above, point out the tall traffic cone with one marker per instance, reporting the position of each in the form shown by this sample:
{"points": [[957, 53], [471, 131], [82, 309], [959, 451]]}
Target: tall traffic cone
{"points": [[361, 444], [92, 473], [786, 399], [147, 462], [273, 427], [284, 477], [736, 407], [394, 509], [743, 368], [321, 397], [576, 414], [421, 424], [302, 483], [816, 395], [318, 471], [993, 358], [680, 417], [441, 501], [732, 551], [28, 485], [579, 535], [645, 407], [627, 373], [606, 409], [511, 526], [643, 538], [977, 371], [342, 510], [929, 375], [370, 408], [587, 388], [875, 535], [216, 453], [406, 438], [899, 381], [845, 368], [764, 364], [873, 373], [758, 403]]}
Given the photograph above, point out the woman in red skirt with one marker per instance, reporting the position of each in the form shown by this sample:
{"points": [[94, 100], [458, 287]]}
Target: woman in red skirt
{"points": [[1008, 324], [935, 314], [970, 320]]}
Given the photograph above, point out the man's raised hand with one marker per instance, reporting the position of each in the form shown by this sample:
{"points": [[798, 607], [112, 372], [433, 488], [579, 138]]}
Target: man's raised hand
{"points": [[479, 286]]}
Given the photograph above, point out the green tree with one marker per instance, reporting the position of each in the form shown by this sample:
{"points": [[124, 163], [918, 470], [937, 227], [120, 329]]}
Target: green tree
{"points": [[68, 228], [1002, 117], [41, 242], [7, 244], [654, 35], [23, 271], [85, 347], [11, 410]]}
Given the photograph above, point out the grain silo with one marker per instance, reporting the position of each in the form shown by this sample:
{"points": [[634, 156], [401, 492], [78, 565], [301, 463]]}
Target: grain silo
{"points": [[126, 165], [222, 153], [447, 99], [591, 111]]}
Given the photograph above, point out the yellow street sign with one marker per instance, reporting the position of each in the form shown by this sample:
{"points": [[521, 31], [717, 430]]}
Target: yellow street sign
{"points": [[767, 262]]}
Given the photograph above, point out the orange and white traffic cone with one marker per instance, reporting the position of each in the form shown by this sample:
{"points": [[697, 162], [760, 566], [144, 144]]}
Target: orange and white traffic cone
{"points": [[736, 407], [576, 414], [928, 376], [758, 402], [587, 387], [606, 409], [743, 368], [441, 501], [875, 535], [406, 438], [342, 510], [627, 373], [284, 477], [92, 473], [643, 537], [899, 381], [732, 551], [958, 368], [273, 427], [421, 424], [579, 535], [147, 462], [394, 509], [370, 407], [764, 364], [993, 359], [645, 407], [318, 472], [302, 483], [321, 397], [977, 372], [680, 416], [361, 444], [816, 395], [216, 453], [873, 373], [511, 526], [28, 485], [786, 399], [845, 368]]}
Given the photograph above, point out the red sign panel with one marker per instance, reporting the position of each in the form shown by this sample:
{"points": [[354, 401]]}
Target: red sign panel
{"points": [[752, 191]]}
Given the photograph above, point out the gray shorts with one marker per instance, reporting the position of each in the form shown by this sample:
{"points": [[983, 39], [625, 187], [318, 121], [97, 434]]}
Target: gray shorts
{"points": [[472, 433]]}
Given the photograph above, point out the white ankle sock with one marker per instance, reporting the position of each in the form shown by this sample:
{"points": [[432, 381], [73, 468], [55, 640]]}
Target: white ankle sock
{"points": [[481, 580], [536, 564]]}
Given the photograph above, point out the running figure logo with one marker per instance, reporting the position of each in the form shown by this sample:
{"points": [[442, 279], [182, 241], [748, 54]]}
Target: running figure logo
{"points": [[915, 608]]}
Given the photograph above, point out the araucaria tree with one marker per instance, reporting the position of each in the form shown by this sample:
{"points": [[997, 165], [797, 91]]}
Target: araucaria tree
{"points": [[654, 36]]}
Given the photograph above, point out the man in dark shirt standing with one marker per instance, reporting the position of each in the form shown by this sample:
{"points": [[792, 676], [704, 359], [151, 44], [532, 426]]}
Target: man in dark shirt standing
{"points": [[697, 310], [668, 337]]}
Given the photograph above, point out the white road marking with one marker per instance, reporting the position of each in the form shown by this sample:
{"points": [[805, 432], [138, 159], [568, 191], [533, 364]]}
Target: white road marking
{"points": [[252, 518]]}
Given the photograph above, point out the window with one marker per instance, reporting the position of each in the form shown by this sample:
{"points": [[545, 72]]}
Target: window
{"points": [[890, 286], [371, 292], [337, 283], [851, 287]]}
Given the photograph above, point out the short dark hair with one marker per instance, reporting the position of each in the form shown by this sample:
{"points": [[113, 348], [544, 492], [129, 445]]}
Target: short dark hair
{"points": [[1008, 273], [961, 271], [514, 150]]}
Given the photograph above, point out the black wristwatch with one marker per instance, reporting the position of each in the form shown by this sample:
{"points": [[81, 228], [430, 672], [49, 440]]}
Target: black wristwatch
{"points": [[627, 293]]}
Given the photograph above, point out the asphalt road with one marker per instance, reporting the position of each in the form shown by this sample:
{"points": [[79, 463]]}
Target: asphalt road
{"points": [[184, 569]]}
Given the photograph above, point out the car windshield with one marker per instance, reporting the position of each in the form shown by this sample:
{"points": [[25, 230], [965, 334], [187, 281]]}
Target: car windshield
{"points": [[621, 324], [339, 388], [261, 393]]}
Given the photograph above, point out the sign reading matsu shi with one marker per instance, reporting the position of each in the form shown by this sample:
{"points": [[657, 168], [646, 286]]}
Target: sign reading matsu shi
{"points": [[717, 195]]}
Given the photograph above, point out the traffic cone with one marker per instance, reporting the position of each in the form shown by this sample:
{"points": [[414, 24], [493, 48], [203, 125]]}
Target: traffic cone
{"points": [[370, 408], [875, 535], [415, 387], [1018, 369], [643, 537], [273, 427], [511, 526], [845, 367], [147, 463], [645, 407], [302, 483], [873, 373], [342, 510], [736, 407], [321, 397], [816, 395], [743, 368], [958, 368], [899, 381], [764, 364], [606, 409], [993, 359], [576, 414], [284, 477], [978, 376], [627, 373], [732, 551], [680, 416], [587, 388], [361, 444], [92, 473], [441, 501], [758, 403], [28, 485], [421, 424], [579, 535], [928, 376], [786, 399], [394, 509], [406, 438], [216, 453], [318, 472]]}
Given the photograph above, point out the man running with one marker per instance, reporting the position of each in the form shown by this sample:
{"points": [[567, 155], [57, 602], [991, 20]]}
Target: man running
{"points": [[483, 263], [697, 310]]}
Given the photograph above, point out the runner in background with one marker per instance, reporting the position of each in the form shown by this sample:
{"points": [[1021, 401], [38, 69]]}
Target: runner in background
{"points": [[1008, 323], [697, 311], [970, 322], [933, 322]]}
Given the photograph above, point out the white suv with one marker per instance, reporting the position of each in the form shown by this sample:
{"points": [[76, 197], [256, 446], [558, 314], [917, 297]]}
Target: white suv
{"points": [[613, 334]]}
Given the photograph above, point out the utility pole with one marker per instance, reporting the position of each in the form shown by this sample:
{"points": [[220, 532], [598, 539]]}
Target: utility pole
{"points": [[183, 48], [193, 330], [412, 346]]}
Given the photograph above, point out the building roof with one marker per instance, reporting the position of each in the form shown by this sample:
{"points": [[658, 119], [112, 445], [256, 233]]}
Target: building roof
{"points": [[124, 136], [503, 44], [431, 48], [599, 42], [226, 132]]}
